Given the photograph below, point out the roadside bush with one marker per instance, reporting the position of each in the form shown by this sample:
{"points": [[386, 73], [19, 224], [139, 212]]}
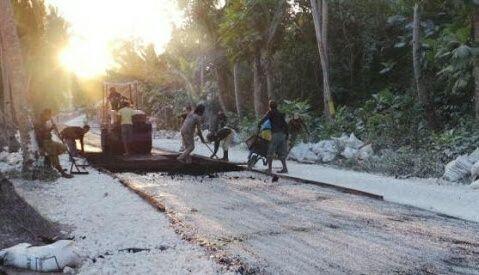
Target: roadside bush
{"points": [[406, 162], [393, 124], [392, 120]]}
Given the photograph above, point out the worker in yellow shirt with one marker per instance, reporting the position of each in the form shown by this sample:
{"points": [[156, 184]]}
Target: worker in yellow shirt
{"points": [[126, 119]]}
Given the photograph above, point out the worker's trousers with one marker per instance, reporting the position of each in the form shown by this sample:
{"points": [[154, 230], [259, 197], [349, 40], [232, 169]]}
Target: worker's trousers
{"points": [[189, 143]]}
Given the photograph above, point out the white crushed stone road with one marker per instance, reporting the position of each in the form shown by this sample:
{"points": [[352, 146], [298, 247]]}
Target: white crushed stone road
{"points": [[289, 228]]}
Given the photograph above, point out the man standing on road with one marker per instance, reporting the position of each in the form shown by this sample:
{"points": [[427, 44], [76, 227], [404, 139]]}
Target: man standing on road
{"points": [[182, 119], [184, 114], [126, 119], [279, 140], [191, 124]]}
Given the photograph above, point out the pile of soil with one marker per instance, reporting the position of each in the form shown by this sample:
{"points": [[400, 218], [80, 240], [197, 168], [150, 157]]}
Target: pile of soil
{"points": [[20, 222]]}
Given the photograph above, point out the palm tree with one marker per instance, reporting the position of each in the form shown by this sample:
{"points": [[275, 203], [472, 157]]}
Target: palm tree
{"points": [[13, 59]]}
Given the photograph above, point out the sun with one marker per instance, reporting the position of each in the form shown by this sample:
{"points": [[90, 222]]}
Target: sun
{"points": [[86, 59], [96, 27]]}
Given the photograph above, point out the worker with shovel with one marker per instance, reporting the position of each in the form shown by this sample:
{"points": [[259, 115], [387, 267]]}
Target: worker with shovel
{"points": [[223, 137], [51, 149], [191, 124], [220, 135]]}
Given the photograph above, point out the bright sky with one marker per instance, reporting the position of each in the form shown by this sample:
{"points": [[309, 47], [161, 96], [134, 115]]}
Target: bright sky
{"points": [[96, 25]]}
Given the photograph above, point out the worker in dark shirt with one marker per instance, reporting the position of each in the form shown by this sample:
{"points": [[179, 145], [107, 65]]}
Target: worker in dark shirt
{"points": [[72, 133], [116, 99], [279, 139], [224, 137]]}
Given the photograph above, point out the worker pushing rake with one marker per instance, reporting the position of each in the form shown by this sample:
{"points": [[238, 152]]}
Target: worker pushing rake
{"points": [[69, 137]]}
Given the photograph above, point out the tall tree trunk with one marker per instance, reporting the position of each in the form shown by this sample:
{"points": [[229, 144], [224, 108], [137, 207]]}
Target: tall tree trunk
{"points": [[422, 93], [475, 23], [5, 95], [266, 55], [224, 78], [202, 74], [224, 88], [237, 85], [17, 75], [9, 129], [259, 95], [268, 72], [320, 19]]}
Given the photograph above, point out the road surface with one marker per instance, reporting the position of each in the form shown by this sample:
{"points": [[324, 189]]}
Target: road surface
{"points": [[290, 228]]}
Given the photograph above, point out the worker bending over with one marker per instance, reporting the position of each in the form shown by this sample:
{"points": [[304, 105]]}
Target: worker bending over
{"points": [[224, 137], [71, 134], [49, 148], [191, 124]]}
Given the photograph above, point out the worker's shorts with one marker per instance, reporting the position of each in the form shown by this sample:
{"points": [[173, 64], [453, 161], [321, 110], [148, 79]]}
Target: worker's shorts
{"points": [[127, 133], [52, 149], [72, 147], [278, 146]]}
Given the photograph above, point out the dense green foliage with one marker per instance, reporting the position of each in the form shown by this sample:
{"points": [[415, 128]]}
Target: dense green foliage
{"points": [[224, 55], [370, 47]]}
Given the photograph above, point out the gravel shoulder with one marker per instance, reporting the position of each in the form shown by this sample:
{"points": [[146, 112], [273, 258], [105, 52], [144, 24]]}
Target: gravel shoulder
{"points": [[114, 229]]}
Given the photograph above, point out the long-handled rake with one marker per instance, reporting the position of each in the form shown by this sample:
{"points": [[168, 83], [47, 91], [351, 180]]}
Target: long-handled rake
{"points": [[211, 150]]}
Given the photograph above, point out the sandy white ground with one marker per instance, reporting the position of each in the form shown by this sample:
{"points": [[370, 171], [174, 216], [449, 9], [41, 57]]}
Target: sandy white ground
{"points": [[431, 194], [104, 217]]}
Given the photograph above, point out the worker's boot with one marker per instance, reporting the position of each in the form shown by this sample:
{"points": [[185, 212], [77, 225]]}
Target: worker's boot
{"points": [[63, 173], [66, 175], [225, 156]]}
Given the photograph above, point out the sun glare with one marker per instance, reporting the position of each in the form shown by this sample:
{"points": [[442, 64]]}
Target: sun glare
{"points": [[96, 27]]}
